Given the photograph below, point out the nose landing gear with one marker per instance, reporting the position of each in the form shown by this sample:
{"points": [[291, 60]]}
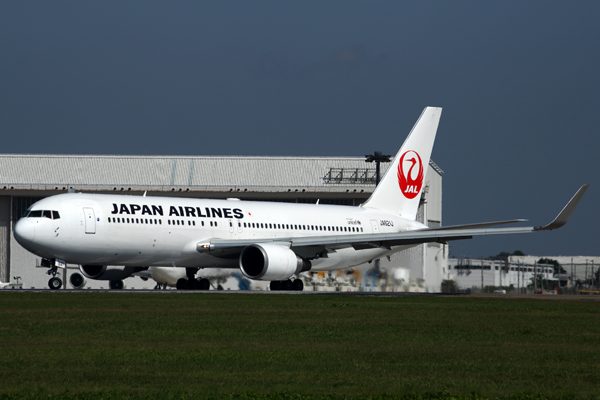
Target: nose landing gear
{"points": [[53, 265], [54, 283]]}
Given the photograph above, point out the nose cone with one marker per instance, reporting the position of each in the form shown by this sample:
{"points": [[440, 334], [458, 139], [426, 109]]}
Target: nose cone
{"points": [[24, 232]]}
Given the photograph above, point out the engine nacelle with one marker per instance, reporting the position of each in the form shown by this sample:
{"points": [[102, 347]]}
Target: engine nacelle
{"points": [[271, 262], [77, 281], [107, 272]]}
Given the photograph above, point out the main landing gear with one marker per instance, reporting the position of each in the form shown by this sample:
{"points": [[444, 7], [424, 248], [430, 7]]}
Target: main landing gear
{"points": [[191, 283], [288, 285], [116, 285]]}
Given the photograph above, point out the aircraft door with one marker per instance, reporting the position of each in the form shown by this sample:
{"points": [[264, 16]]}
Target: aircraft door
{"points": [[375, 226], [90, 220]]}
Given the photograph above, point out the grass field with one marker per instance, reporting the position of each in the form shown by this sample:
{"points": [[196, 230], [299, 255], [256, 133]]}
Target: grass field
{"points": [[132, 345]]}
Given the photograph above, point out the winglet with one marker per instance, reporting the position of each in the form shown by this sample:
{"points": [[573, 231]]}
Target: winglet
{"points": [[566, 212]]}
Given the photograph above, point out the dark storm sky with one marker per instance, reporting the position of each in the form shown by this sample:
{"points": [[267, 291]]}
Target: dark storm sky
{"points": [[518, 80]]}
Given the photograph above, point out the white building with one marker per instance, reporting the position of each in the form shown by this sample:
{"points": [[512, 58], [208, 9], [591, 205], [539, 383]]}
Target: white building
{"points": [[469, 273], [576, 267]]}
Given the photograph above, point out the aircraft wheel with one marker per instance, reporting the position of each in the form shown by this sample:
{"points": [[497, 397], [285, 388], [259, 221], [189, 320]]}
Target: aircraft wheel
{"points": [[115, 285], [204, 284], [274, 285], [194, 284], [182, 284], [286, 285], [54, 283], [298, 285]]}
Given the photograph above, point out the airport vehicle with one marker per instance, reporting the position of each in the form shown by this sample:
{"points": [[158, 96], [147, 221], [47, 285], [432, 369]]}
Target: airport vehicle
{"points": [[3, 285], [112, 237]]}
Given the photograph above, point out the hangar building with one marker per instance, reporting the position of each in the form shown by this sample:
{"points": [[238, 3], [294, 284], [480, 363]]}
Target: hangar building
{"points": [[24, 179]]}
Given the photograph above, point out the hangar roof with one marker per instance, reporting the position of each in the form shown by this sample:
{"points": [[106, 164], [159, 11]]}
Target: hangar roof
{"points": [[187, 173]]}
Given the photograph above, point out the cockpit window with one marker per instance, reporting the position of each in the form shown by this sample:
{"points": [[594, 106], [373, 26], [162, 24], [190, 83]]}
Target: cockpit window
{"points": [[50, 214]]}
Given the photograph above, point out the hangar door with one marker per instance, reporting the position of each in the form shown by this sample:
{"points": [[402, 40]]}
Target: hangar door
{"points": [[90, 220]]}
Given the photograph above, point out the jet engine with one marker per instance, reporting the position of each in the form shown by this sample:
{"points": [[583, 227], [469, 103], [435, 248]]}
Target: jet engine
{"points": [[77, 281], [107, 272], [271, 262]]}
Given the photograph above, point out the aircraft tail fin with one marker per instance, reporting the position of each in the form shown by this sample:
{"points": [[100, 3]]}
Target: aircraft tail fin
{"points": [[399, 192]]}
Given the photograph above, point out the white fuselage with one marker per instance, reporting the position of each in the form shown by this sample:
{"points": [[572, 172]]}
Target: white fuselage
{"points": [[91, 229]]}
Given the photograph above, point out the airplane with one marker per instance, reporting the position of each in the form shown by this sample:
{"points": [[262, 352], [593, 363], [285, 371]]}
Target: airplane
{"points": [[163, 276], [112, 237]]}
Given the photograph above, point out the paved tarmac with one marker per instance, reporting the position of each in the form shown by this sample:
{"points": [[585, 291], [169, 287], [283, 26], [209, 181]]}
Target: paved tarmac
{"points": [[313, 293]]}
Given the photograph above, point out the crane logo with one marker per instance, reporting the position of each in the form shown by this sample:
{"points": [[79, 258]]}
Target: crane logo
{"points": [[410, 178]]}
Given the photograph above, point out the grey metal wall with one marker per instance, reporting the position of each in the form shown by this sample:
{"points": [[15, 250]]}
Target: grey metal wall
{"points": [[5, 227]]}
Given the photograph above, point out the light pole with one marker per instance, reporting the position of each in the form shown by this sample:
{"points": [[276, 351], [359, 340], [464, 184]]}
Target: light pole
{"points": [[378, 158]]}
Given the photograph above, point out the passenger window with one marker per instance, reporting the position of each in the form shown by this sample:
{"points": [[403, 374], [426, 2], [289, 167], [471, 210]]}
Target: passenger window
{"points": [[55, 215]]}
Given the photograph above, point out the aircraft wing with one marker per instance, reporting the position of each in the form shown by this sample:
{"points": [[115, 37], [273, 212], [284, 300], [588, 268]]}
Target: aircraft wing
{"points": [[227, 248]]}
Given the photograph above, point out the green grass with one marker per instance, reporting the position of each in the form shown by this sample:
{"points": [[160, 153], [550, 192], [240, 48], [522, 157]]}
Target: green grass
{"points": [[238, 346]]}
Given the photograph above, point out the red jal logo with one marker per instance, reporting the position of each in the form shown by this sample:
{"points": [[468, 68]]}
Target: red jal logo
{"points": [[410, 186]]}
